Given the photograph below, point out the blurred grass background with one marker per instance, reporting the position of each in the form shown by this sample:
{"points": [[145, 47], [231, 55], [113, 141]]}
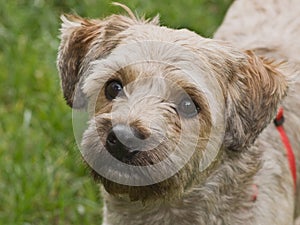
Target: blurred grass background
{"points": [[42, 178]]}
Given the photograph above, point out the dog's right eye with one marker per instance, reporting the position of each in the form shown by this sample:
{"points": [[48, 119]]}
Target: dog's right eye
{"points": [[187, 107], [113, 89]]}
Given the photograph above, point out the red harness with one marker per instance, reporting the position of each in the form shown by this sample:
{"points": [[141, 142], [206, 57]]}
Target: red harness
{"points": [[278, 121]]}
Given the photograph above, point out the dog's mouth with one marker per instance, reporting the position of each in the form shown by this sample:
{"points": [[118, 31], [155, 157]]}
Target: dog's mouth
{"points": [[129, 154], [140, 165], [137, 181], [140, 175]]}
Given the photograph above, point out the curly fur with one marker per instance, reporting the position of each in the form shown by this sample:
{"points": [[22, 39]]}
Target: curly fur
{"points": [[253, 59]]}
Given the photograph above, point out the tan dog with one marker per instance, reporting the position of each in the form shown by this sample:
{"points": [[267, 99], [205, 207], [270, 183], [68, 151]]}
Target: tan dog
{"points": [[179, 125]]}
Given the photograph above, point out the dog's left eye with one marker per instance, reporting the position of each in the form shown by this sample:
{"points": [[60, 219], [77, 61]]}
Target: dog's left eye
{"points": [[113, 89], [188, 108]]}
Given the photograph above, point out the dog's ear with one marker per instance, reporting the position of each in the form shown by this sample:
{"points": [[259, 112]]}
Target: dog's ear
{"points": [[82, 41], [255, 89]]}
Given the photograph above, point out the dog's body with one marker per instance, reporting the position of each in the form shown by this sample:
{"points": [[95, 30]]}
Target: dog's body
{"points": [[272, 32], [248, 180]]}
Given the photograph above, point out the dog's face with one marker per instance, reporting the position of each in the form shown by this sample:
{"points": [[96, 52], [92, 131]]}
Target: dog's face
{"points": [[163, 104]]}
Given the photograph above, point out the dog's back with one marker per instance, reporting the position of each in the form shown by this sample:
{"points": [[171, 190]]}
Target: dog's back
{"points": [[271, 29]]}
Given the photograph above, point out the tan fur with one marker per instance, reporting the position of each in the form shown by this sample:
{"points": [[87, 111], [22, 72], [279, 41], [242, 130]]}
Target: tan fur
{"points": [[204, 166]]}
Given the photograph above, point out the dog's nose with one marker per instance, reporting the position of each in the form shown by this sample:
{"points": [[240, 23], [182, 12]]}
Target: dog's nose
{"points": [[124, 141]]}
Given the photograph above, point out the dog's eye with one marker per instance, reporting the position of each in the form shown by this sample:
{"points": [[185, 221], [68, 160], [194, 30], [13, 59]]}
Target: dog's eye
{"points": [[113, 89], [188, 108]]}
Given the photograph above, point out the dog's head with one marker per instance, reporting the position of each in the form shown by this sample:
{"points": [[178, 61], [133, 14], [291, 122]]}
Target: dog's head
{"points": [[163, 103]]}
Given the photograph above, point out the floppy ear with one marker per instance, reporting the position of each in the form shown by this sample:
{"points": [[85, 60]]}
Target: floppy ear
{"points": [[255, 90], [83, 41]]}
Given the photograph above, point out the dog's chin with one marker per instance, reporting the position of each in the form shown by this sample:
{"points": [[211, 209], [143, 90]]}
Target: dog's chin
{"points": [[169, 189]]}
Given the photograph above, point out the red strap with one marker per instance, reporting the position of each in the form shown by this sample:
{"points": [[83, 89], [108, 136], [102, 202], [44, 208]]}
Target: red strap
{"points": [[255, 192], [290, 154]]}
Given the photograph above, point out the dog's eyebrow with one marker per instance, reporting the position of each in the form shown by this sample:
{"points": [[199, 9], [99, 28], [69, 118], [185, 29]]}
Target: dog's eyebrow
{"points": [[195, 94], [125, 74], [187, 86], [191, 89]]}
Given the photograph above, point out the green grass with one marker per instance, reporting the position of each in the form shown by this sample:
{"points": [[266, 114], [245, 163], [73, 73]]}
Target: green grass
{"points": [[42, 178]]}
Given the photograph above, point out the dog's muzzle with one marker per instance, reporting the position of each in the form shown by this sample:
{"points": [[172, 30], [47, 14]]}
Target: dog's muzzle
{"points": [[123, 142]]}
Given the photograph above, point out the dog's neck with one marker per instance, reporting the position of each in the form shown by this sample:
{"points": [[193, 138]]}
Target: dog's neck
{"points": [[230, 184]]}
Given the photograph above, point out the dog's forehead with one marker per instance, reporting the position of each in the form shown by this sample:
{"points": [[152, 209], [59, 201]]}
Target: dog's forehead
{"points": [[153, 51], [140, 32]]}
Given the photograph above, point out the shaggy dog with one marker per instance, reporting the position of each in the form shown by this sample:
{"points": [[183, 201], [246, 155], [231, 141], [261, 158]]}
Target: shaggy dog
{"points": [[179, 126]]}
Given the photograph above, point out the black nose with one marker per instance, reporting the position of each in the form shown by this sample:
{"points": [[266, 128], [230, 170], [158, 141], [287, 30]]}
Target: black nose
{"points": [[124, 141]]}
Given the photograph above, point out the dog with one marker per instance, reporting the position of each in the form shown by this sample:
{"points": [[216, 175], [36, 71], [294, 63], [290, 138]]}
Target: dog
{"points": [[180, 126]]}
